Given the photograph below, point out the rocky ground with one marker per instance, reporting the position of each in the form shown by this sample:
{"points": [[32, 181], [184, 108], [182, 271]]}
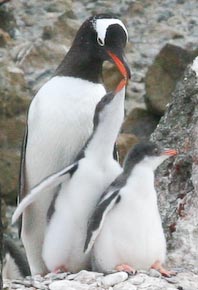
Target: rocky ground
{"points": [[85, 280], [34, 36]]}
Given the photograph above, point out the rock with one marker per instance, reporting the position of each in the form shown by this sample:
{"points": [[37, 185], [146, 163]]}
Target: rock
{"points": [[124, 286], [67, 285], [7, 20], [141, 123], [85, 277], [137, 279], [112, 279], [136, 8], [4, 38], [124, 143], [183, 281], [12, 130], [176, 180], [111, 76], [154, 273], [163, 74], [9, 168], [13, 91], [66, 26]]}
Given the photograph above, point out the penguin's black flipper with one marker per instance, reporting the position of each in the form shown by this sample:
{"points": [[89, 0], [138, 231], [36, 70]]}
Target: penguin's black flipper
{"points": [[96, 222], [22, 183], [47, 183], [15, 261]]}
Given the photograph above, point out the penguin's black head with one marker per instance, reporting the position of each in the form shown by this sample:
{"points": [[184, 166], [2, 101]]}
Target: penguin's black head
{"points": [[104, 37], [148, 154]]}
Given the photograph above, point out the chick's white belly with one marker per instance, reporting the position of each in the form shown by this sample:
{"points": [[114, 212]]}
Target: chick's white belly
{"points": [[131, 236], [66, 233]]}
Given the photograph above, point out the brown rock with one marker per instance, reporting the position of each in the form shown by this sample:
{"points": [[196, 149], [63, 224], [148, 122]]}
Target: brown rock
{"points": [[141, 123], [136, 8], [111, 76], [163, 74], [11, 133], [124, 143], [4, 37], [9, 168]]}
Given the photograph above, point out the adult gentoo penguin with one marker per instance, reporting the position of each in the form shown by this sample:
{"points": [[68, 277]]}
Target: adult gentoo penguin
{"points": [[60, 119], [89, 176], [125, 231]]}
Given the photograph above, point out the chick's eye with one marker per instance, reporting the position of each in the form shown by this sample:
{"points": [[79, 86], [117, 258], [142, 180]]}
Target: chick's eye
{"points": [[100, 42]]}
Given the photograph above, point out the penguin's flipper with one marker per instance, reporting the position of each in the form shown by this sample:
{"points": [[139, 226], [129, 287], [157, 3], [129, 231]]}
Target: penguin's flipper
{"points": [[22, 183], [47, 183], [16, 263], [22, 167], [109, 199]]}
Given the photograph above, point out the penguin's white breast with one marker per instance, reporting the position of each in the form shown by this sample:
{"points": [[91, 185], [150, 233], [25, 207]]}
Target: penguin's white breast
{"points": [[60, 121]]}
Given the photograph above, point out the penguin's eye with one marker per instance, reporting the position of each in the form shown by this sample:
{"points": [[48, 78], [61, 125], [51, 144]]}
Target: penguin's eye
{"points": [[100, 42]]}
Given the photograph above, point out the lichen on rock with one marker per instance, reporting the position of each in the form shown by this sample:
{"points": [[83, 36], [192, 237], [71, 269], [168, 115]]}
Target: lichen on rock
{"points": [[177, 180]]}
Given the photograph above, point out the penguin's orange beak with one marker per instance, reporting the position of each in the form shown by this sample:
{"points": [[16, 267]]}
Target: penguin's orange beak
{"points": [[121, 84], [121, 64], [169, 152]]}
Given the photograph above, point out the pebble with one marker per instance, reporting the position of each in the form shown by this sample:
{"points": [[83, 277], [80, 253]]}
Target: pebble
{"points": [[115, 281], [114, 278], [85, 277], [67, 285], [124, 286], [154, 273], [54, 276], [137, 280]]}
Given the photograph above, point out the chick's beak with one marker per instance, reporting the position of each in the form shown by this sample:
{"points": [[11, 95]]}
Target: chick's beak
{"points": [[169, 152], [121, 64]]}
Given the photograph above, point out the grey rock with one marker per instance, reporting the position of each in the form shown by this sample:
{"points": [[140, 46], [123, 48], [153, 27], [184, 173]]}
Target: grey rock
{"points": [[137, 279], [141, 123], [124, 286], [67, 285], [85, 277], [112, 279], [154, 273], [176, 180], [56, 276]]}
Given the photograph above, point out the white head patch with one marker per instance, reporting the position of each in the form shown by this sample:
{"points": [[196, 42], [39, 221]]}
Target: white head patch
{"points": [[101, 26]]}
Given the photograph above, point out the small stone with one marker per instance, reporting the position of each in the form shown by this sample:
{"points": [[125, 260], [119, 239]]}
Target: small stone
{"points": [[39, 285], [115, 278], [124, 286], [67, 285], [137, 280], [4, 38], [86, 277], [54, 276], [154, 273], [171, 280]]}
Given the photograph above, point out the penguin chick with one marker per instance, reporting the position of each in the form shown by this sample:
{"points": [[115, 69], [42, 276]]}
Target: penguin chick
{"points": [[15, 265], [65, 235], [125, 231], [60, 120]]}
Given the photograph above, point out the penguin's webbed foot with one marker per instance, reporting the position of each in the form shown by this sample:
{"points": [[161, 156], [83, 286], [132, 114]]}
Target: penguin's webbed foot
{"points": [[60, 269], [126, 268], [158, 267]]}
